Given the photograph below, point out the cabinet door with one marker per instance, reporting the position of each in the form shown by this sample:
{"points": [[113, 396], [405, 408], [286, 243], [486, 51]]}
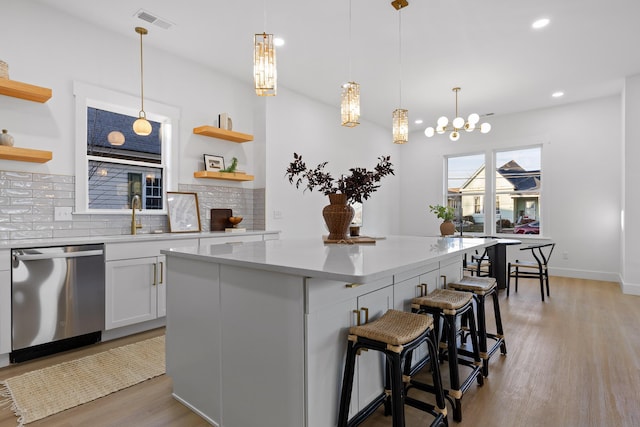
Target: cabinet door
{"points": [[450, 271], [371, 364], [131, 295]]}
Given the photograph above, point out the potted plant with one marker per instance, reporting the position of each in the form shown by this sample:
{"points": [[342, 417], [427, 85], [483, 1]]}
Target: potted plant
{"points": [[354, 187], [446, 214]]}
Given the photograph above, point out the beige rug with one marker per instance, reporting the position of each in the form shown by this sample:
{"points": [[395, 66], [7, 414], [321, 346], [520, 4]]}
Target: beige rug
{"points": [[38, 394]]}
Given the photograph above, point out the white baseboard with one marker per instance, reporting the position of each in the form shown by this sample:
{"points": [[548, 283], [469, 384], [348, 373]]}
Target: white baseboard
{"points": [[630, 288], [124, 331], [585, 274]]}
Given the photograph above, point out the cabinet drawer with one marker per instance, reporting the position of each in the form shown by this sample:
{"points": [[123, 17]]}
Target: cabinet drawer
{"points": [[320, 293], [230, 239], [406, 275], [128, 250]]}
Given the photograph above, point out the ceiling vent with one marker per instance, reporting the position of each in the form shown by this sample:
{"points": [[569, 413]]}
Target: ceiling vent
{"points": [[153, 19]]}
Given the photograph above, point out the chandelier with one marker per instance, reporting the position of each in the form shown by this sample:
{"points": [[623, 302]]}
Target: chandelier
{"points": [[264, 65], [400, 116], [457, 124], [350, 97], [141, 126]]}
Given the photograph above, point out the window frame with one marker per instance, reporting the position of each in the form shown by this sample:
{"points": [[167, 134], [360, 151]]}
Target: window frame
{"points": [[490, 194], [87, 95]]}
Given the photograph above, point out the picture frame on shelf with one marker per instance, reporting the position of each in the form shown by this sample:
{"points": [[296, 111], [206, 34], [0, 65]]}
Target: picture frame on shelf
{"points": [[213, 163], [183, 212]]}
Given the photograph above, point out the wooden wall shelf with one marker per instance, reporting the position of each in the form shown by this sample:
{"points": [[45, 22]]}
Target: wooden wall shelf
{"points": [[25, 154], [229, 135], [230, 176], [24, 91]]}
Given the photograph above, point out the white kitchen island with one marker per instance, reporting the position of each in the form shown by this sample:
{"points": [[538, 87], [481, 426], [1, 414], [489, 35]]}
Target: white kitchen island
{"points": [[257, 332]]}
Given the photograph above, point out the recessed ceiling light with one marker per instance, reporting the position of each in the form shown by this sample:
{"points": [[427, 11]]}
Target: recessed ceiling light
{"points": [[418, 122], [540, 23], [278, 41], [557, 94]]}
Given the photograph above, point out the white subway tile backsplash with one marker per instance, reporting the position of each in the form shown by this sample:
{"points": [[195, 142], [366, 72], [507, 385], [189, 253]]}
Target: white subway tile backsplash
{"points": [[27, 208]]}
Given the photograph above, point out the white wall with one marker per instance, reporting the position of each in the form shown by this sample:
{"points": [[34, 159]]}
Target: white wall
{"points": [[298, 124], [581, 179], [47, 48]]}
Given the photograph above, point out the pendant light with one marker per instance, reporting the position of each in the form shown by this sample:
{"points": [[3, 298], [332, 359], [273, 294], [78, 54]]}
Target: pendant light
{"points": [[350, 98], [141, 126], [265, 76], [400, 116]]}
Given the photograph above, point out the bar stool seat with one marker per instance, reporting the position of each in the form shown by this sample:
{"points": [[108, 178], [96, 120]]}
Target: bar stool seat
{"points": [[480, 288], [451, 305], [395, 333]]}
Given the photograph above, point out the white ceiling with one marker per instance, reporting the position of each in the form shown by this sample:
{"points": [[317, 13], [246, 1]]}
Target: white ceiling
{"points": [[486, 47]]}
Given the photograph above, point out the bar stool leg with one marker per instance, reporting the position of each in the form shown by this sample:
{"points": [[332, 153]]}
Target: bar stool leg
{"points": [[397, 387], [498, 317], [482, 333], [347, 385]]}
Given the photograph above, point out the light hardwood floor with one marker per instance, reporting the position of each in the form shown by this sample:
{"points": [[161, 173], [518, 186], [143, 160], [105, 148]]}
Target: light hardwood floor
{"points": [[573, 361]]}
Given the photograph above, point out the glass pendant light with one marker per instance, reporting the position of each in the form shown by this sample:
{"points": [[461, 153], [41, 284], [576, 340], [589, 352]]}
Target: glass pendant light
{"points": [[264, 65], [141, 126]]}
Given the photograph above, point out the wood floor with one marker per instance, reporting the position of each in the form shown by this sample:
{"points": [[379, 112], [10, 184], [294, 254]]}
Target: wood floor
{"points": [[573, 360]]}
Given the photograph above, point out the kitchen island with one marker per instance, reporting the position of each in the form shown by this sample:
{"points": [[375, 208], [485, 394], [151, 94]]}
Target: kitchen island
{"points": [[257, 332]]}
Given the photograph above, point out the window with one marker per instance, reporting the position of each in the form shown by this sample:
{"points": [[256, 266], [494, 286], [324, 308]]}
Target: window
{"points": [[466, 191], [109, 175], [515, 191], [517, 187]]}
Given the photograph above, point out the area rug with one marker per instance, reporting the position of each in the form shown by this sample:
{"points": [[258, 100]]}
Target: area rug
{"points": [[38, 394]]}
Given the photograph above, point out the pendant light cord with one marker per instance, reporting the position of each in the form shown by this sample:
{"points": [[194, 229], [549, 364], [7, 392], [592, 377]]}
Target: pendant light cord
{"points": [[350, 43], [400, 51], [141, 78]]}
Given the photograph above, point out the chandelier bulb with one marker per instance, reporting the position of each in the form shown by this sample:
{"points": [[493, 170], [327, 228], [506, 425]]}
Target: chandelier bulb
{"points": [[458, 122], [443, 121], [473, 118], [469, 127], [429, 132], [485, 127], [454, 136]]}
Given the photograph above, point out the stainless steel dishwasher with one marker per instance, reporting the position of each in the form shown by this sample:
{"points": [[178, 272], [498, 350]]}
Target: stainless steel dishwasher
{"points": [[57, 299]]}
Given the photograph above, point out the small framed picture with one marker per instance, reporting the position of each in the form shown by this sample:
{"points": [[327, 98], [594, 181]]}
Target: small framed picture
{"points": [[213, 163], [184, 213]]}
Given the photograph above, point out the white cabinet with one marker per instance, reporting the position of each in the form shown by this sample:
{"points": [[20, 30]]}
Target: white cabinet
{"points": [[450, 271], [332, 308], [5, 301], [135, 291], [135, 281]]}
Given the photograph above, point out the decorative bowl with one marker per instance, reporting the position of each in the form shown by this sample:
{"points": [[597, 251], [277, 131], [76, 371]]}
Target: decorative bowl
{"points": [[235, 220]]}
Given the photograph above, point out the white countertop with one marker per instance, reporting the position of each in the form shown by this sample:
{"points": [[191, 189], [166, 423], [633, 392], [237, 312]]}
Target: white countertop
{"points": [[357, 263], [123, 238]]}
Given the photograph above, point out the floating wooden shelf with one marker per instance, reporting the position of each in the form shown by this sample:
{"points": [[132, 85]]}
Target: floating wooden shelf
{"points": [[25, 154], [229, 135], [231, 176], [24, 91]]}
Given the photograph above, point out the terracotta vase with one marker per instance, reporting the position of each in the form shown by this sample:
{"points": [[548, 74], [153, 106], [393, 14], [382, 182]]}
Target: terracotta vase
{"points": [[338, 215], [447, 228]]}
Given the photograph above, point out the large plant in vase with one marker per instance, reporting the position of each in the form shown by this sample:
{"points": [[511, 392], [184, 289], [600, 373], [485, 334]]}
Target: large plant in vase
{"points": [[353, 187]]}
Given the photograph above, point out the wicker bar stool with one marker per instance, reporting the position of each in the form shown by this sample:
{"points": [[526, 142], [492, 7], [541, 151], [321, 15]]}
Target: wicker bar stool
{"points": [[451, 305], [395, 333], [482, 287]]}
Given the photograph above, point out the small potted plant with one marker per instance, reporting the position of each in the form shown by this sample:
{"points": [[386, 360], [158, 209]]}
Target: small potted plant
{"points": [[446, 214], [354, 187]]}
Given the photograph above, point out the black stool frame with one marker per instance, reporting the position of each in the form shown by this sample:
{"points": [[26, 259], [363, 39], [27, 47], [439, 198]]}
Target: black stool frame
{"points": [[395, 390], [448, 337]]}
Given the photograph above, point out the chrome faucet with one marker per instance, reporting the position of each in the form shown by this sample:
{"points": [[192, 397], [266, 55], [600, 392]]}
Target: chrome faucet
{"points": [[135, 225]]}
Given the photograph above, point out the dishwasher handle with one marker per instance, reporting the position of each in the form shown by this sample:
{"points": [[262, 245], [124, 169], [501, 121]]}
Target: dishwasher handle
{"points": [[33, 257]]}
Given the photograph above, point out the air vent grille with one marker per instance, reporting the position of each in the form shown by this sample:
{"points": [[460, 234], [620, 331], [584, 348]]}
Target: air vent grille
{"points": [[154, 19]]}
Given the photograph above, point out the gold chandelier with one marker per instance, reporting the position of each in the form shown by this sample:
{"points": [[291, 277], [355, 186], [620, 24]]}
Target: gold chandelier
{"points": [[350, 97], [400, 116], [264, 65], [457, 124], [141, 126]]}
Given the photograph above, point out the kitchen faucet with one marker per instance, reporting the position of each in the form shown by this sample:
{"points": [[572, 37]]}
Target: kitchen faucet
{"points": [[134, 224]]}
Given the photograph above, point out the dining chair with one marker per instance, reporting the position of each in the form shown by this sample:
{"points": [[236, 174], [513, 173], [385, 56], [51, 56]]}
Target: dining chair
{"points": [[480, 265], [537, 269]]}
